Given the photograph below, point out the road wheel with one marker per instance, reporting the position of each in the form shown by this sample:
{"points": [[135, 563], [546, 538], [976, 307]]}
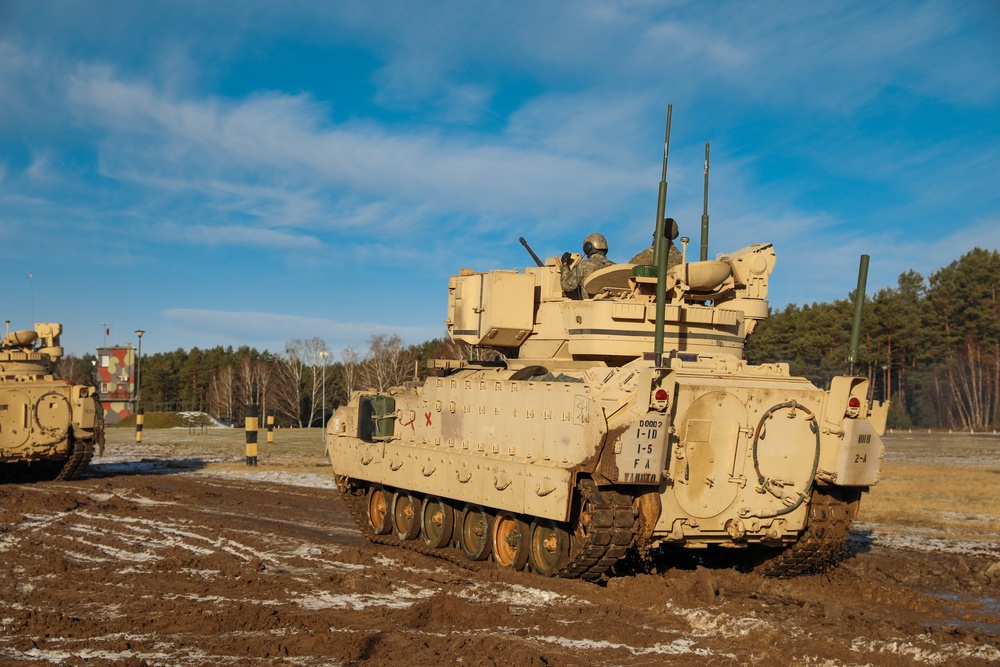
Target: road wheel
{"points": [[437, 521], [510, 541], [404, 515], [379, 518], [474, 534], [549, 547]]}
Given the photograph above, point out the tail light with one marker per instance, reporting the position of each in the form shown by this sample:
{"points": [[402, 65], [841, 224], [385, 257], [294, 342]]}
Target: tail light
{"points": [[660, 400], [853, 407]]}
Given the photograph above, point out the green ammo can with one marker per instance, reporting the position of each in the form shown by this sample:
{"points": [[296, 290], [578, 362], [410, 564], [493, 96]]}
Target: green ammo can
{"points": [[384, 414]]}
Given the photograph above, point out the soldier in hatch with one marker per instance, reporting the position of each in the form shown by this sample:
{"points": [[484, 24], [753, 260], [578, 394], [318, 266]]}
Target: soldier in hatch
{"points": [[595, 247], [673, 256]]}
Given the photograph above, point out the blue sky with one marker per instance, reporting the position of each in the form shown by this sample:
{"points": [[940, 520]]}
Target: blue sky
{"points": [[252, 172]]}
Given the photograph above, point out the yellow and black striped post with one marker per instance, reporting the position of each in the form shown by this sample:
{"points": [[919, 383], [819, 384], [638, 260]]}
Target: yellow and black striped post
{"points": [[252, 424], [270, 426], [138, 425]]}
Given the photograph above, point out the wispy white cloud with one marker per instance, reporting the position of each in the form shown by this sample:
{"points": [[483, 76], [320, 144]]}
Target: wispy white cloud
{"points": [[40, 168], [833, 57], [25, 88], [982, 233], [235, 235], [271, 331], [274, 136], [556, 178]]}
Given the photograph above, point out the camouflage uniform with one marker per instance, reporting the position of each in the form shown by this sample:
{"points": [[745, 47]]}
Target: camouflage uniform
{"points": [[646, 256], [572, 279]]}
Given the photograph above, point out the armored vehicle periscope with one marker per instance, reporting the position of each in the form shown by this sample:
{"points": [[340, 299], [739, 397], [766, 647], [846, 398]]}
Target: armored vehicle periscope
{"points": [[48, 427], [611, 425]]}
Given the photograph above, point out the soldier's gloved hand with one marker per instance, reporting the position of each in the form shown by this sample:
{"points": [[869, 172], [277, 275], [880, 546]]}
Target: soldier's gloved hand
{"points": [[567, 258]]}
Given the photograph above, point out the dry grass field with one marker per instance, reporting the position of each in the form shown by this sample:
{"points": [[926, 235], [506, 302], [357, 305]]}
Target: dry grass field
{"points": [[938, 487]]}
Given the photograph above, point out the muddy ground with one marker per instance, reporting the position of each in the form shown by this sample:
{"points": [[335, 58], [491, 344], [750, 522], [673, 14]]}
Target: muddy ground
{"points": [[173, 552]]}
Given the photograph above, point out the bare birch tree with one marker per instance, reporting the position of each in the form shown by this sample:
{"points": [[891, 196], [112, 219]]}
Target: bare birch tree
{"points": [[386, 364], [293, 367], [319, 355], [76, 370], [252, 379], [350, 362], [287, 391], [304, 361], [454, 349], [968, 391], [220, 392], [265, 371]]}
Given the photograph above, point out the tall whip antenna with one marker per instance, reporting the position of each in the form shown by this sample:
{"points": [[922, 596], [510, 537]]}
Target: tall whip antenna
{"points": [[661, 248], [31, 287], [704, 214]]}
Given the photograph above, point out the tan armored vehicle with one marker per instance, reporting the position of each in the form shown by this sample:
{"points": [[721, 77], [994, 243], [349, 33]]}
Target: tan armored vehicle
{"points": [[49, 428], [621, 422]]}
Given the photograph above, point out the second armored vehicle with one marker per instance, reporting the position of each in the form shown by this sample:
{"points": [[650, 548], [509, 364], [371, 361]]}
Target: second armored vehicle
{"points": [[49, 428]]}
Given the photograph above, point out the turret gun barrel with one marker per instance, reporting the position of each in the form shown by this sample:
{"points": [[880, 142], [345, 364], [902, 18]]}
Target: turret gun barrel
{"points": [[530, 251]]}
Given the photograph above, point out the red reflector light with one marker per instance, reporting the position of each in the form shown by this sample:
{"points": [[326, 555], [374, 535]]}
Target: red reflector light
{"points": [[661, 395], [855, 402]]}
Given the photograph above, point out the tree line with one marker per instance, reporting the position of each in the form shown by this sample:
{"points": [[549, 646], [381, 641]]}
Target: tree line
{"points": [[294, 383], [931, 346]]}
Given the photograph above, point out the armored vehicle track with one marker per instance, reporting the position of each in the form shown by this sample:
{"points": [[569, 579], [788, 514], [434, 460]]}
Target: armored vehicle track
{"points": [[83, 451], [831, 512], [604, 532]]}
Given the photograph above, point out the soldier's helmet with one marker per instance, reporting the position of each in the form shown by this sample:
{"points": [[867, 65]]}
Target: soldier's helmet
{"points": [[594, 242]]}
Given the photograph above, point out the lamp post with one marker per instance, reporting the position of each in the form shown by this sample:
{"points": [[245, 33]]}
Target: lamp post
{"points": [[324, 354], [138, 369], [104, 328], [885, 382]]}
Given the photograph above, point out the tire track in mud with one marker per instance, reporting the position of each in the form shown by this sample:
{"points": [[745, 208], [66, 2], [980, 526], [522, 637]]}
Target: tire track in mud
{"points": [[191, 568]]}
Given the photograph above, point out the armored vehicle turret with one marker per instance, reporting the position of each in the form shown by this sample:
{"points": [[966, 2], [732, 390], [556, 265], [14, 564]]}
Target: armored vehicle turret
{"points": [[620, 422], [49, 428]]}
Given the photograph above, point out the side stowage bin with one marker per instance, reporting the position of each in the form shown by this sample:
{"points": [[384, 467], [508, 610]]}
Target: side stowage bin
{"points": [[378, 414]]}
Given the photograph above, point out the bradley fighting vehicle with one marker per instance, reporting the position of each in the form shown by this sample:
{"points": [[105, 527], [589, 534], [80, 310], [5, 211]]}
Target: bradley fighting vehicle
{"points": [[628, 421], [49, 428]]}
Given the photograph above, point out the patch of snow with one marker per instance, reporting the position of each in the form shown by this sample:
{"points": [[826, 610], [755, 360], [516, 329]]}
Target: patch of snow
{"points": [[385, 561], [399, 598], [112, 553], [709, 623], [706, 623], [936, 655], [309, 480], [919, 540], [517, 595], [677, 647]]}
